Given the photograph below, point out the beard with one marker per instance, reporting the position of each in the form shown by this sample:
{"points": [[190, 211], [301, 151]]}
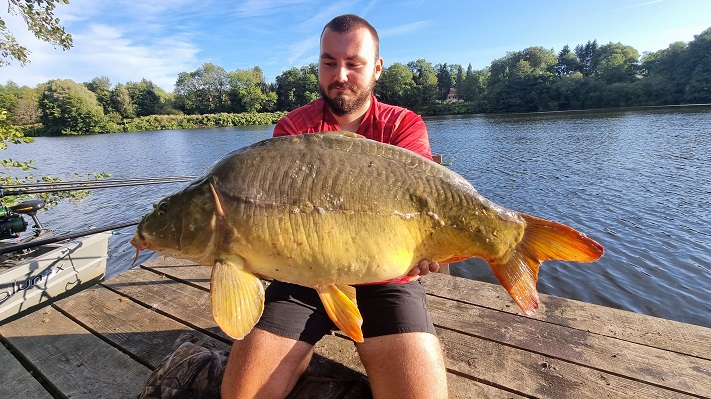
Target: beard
{"points": [[340, 105]]}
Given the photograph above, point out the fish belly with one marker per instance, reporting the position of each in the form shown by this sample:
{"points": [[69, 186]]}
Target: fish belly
{"points": [[315, 209]]}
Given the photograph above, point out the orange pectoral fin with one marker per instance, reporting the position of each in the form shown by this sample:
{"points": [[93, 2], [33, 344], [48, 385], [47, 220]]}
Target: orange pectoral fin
{"points": [[236, 298]]}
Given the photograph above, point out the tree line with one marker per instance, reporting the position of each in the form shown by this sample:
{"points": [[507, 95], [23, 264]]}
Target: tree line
{"points": [[534, 79]]}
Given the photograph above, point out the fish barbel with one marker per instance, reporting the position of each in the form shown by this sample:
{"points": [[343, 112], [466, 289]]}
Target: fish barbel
{"points": [[332, 210]]}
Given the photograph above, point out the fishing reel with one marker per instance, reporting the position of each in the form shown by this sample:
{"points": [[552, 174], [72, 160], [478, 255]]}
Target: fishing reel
{"points": [[12, 222]]}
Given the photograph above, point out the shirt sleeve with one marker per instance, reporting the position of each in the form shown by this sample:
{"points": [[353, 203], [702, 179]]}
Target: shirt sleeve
{"points": [[284, 127], [411, 133]]}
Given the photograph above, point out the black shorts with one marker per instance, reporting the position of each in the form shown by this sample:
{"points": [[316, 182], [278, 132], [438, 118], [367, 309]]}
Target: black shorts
{"points": [[297, 312]]}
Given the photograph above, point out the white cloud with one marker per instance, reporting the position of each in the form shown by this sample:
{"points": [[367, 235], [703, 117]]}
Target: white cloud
{"points": [[112, 45], [254, 8], [403, 29], [102, 50]]}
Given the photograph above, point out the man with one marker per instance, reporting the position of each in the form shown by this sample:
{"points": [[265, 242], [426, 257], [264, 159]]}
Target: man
{"points": [[400, 352]]}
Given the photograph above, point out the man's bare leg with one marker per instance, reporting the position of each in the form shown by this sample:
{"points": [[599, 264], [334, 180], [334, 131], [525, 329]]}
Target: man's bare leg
{"points": [[264, 365], [408, 365]]}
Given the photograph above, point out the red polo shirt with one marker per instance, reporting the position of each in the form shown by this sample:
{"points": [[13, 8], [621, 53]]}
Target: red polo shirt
{"points": [[385, 123]]}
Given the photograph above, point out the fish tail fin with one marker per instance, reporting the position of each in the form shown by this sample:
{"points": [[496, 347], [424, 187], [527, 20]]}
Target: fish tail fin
{"points": [[542, 240], [236, 296], [339, 301]]}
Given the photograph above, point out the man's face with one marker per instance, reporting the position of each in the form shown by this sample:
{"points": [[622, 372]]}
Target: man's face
{"points": [[348, 70]]}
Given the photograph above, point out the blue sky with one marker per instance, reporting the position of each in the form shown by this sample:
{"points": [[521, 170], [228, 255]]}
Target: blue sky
{"points": [[127, 40]]}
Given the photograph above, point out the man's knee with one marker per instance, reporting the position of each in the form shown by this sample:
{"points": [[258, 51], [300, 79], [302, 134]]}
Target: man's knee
{"points": [[408, 365], [264, 364]]}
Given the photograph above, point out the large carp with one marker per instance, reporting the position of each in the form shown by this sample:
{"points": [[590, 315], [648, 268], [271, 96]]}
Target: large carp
{"points": [[332, 210]]}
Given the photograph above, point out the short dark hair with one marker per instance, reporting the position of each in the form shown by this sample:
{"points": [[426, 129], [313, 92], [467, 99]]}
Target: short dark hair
{"points": [[347, 23]]}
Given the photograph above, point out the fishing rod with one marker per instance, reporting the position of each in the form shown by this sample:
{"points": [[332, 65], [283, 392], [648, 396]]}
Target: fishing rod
{"points": [[167, 179], [52, 240], [98, 184]]}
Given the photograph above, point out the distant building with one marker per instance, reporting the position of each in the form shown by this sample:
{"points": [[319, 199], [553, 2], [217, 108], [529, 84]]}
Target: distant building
{"points": [[452, 95]]}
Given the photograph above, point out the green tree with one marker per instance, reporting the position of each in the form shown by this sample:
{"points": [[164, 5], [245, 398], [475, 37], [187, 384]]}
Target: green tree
{"points": [[147, 98], [203, 91], [297, 87], [10, 135], [40, 20], [21, 102], [587, 57], [568, 62], [445, 80], [9, 94], [620, 95], [286, 88], [70, 108], [617, 63], [426, 84], [101, 87], [521, 81], [26, 110], [121, 102], [698, 88], [679, 73], [249, 91], [396, 85], [459, 77], [474, 84], [665, 74]]}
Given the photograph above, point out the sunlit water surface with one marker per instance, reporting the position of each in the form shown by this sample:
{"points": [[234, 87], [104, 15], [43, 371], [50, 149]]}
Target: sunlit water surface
{"points": [[638, 182]]}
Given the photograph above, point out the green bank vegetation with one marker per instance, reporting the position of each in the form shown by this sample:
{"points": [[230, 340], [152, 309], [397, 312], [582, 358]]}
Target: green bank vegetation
{"points": [[589, 76]]}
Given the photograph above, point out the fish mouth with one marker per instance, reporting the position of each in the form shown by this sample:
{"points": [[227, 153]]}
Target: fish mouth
{"points": [[140, 243]]}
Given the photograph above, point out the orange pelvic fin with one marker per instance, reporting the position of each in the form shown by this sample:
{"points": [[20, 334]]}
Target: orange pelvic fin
{"points": [[542, 240], [340, 304]]}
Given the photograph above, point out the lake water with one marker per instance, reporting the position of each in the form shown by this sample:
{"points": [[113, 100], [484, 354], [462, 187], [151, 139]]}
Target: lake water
{"points": [[638, 182]]}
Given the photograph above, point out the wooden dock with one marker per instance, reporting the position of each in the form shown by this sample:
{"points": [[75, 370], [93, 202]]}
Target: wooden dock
{"points": [[105, 341]]}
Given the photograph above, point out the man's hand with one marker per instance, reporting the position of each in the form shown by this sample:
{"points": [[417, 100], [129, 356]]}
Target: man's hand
{"points": [[424, 268]]}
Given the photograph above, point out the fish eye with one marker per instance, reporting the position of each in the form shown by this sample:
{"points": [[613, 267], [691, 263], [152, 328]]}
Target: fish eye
{"points": [[162, 207]]}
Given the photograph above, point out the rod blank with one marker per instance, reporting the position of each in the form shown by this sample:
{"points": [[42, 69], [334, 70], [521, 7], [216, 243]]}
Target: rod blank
{"points": [[52, 240], [87, 185]]}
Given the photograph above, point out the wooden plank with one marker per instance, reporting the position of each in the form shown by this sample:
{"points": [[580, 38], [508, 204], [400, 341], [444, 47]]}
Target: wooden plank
{"points": [[180, 269], [641, 329], [464, 388], [671, 370], [539, 376], [74, 360], [185, 303], [17, 382], [146, 335]]}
